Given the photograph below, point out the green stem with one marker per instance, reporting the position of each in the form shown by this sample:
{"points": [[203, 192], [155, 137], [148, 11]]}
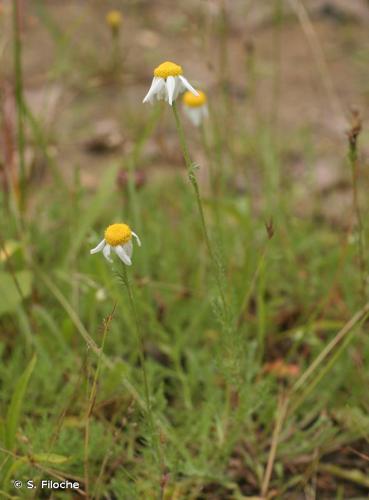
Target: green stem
{"points": [[192, 177], [353, 157], [17, 54], [141, 351], [92, 399], [115, 53], [132, 303]]}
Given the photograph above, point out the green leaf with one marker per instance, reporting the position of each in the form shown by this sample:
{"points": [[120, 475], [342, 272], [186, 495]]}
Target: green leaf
{"points": [[13, 289], [51, 458], [96, 206], [15, 407]]}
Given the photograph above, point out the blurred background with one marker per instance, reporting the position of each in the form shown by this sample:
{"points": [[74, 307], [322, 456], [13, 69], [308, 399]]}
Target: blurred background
{"points": [[295, 67]]}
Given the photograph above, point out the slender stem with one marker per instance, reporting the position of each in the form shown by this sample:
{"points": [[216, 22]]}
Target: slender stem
{"points": [[154, 435], [354, 171], [92, 400], [281, 414], [17, 54], [223, 34], [357, 318], [192, 177], [141, 351], [115, 56], [353, 158]]}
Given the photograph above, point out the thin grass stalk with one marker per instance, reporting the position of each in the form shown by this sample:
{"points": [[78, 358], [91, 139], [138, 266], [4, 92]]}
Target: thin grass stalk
{"points": [[340, 338], [353, 135], [260, 266], [280, 417], [223, 35], [115, 53], [325, 369], [92, 399], [261, 308], [141, 352], [17, 58]]}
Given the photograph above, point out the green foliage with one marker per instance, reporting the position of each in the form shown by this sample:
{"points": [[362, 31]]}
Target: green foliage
{"points": [[15, 406], [215, 373], [13, 289]]}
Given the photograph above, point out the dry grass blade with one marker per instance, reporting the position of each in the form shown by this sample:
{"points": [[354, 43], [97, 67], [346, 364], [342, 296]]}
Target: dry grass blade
{"points": [[281, 414], [316, 48], [357, 318]]}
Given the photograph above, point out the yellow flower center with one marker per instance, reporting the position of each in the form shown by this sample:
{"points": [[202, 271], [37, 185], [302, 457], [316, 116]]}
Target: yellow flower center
{"points": [[117, 234], [168, 69], [193, 101], [114, 18]]}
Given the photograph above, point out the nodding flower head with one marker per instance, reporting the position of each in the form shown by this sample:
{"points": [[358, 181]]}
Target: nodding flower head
{"points": [[195, 107], [114, 20], [168, 83], [117, 237], [168, 68], [117, 234]]}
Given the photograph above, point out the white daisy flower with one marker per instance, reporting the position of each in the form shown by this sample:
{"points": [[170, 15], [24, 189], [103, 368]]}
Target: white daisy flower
{"points": [[195, 107], [168, 83], [117, 237]]}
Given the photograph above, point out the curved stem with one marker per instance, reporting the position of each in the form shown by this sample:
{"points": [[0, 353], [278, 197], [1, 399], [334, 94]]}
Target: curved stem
{"points": [[17, 54], [192, 177]]}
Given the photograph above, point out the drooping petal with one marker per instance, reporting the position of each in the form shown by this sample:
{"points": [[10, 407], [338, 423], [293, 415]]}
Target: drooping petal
{"points": [[99, 247], [196, 116], [193, 115], [171, 85], [119, 250], [137, 238], [188, 85], [156, 85], [162, 93], [106, 253], [128, 248], [179, 88]]}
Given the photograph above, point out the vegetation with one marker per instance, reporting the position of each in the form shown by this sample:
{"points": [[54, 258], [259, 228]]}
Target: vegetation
{"points": [[230, 361]]}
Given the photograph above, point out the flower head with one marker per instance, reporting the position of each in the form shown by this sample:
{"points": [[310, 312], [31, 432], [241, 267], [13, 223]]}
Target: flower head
{"points": [[114, 20], [119, 238], [195, 107], [168, 83]]}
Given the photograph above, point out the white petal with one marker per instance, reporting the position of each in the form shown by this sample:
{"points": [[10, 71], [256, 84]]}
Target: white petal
{"points": [[99, 247], [156, 86], [171, 85], [162, 93], [137, 238], [128, 248], [119, 250], [188, 85], [181, 86], [196, 117], [106, 253], [178, 89]]}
